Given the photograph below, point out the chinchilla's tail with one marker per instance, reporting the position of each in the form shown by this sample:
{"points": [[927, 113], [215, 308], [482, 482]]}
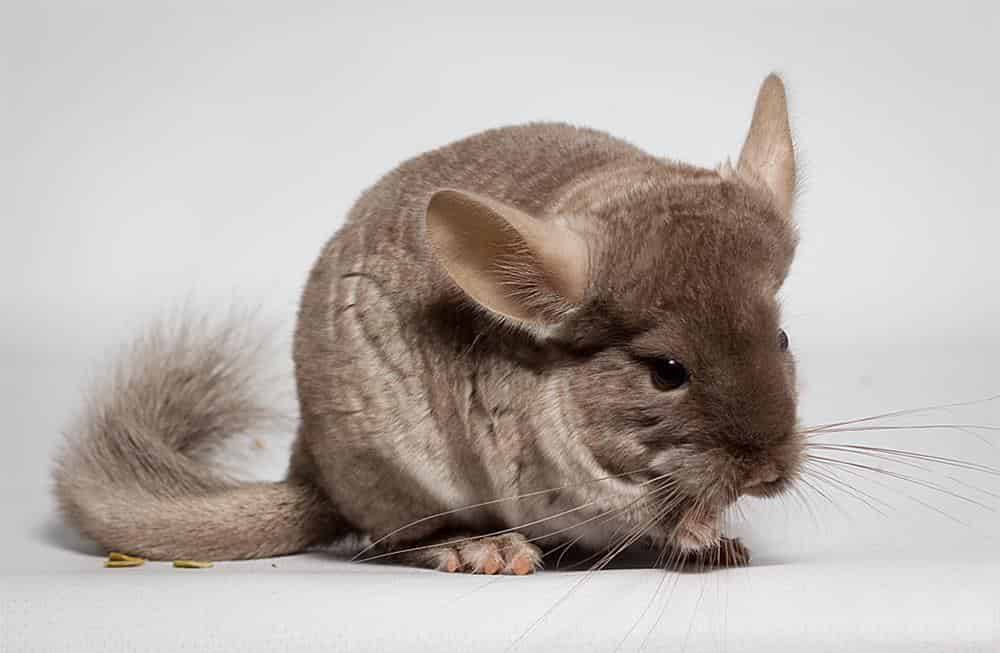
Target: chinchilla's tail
{"points": [[133, 474]]}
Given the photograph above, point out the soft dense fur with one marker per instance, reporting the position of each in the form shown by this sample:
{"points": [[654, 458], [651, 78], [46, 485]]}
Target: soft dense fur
{"points": [[131, 478], [484, 325]]}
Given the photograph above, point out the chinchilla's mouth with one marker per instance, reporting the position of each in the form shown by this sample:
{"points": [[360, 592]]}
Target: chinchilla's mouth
{"points": [[769, 489]]}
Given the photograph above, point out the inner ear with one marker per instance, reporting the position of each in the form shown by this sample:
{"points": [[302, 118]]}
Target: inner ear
{"points": [[512, 263], [768, 153]]}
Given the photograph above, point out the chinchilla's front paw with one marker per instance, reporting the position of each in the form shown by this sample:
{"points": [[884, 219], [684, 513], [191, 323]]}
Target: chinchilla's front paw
{"points": [[510, 553]]}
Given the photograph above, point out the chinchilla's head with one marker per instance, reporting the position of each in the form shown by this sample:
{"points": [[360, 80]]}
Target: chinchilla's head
{"points": [[659, 281]]}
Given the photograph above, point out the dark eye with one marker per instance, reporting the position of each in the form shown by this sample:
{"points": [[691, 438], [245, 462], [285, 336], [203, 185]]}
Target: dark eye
{"points": [[782, 340], [668, 374]]}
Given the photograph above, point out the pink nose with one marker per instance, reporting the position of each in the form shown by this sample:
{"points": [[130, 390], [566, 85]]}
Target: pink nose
{"points": [[761, 476]]}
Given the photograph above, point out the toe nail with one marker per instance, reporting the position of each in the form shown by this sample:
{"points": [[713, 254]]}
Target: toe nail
{"points": [[522, 566]]}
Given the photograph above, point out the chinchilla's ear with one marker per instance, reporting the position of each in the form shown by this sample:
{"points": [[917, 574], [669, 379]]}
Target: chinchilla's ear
{"points": [[768, 154], [514, 264]]}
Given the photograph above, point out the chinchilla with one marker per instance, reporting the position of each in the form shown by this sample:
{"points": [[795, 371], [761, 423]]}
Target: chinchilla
{"points": [[534, 336]]}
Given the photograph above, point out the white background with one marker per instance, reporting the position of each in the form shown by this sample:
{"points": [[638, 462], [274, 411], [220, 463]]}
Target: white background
{"points": [[162, 153]]}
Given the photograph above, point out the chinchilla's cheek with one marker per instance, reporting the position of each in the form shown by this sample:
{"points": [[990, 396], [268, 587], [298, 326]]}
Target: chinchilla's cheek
{"points": [[601, 403]]}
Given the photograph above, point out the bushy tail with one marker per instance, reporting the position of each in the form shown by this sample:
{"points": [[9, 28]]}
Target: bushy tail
{"points": [[133, 474]]}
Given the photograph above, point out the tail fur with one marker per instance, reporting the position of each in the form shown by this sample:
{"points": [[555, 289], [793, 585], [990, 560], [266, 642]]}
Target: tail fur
{"points": [[133, 475]]}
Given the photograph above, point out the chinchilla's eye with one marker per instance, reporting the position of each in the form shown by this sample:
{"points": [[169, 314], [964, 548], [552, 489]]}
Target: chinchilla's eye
{"points": [[782, 340], [668, 374]]}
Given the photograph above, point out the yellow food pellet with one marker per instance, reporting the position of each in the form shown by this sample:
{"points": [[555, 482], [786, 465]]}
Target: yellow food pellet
{"points": [[124, 563], [114, 556], [192, 564]]}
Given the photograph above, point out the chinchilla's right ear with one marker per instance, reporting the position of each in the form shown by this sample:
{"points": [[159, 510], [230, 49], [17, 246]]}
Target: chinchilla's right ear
{"points": [[533, 271], [768, 154]]}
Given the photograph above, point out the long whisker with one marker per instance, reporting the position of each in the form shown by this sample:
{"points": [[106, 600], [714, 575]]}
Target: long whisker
{"points": [[995, 495], [515, 497], [903, 453], [694, 616], [670, 503], [549, 611], [675, 558], [672, 560], [899, 427], [814, 488], [855, 493], [800, 495], [903, 477], [907, 495], [562, 549], [663, 560], [823, 481], [907, 411], [871, 454], [964, 428], [645, 611], [610, 553], [473, 538], [608, 514], [603, 516], [512, 529]]}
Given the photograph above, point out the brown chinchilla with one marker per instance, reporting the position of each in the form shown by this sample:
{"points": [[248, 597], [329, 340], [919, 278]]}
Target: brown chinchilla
{"points": [[533, 336]]}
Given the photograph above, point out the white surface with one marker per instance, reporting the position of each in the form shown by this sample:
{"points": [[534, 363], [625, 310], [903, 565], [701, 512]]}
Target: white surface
{"points": [[825, 578], [155, 153]]}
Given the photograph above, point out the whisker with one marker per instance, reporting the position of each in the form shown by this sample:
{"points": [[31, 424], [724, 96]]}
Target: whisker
{"points": [[877, 456], [907, 495], [903, 453], [607, 514], [819, 490], [973, 487], [672, 560], [694, 616], [907, 411], [645, 611], [675, 558], [473, 506], [551, 608], [855, 493], [670, 503], [904, 477], [666, 559], [800, 495], [473, 538], [737, 507], [901, 427], [566, 548]]}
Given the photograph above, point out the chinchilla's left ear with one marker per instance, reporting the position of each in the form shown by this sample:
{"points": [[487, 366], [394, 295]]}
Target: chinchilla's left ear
{"points": [[768, 154]]}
